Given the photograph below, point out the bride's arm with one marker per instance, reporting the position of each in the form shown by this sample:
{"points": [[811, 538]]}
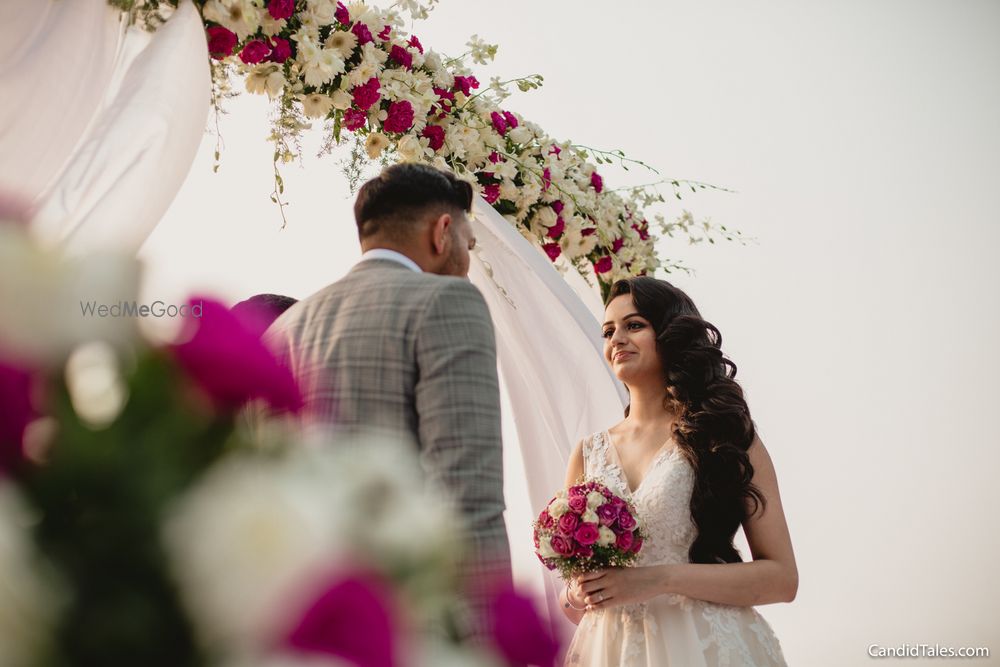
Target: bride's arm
{"points": [[571, 598], [771, 576]]}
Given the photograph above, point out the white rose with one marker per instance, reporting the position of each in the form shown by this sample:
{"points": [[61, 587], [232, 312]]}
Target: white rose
{"points": [[558, 507], [545, 549], [590, 516], [606, 536], [520, 135], [409, 148], [595, 499]]}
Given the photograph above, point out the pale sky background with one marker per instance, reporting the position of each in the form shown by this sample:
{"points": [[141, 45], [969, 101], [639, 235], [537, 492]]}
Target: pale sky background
{"points": [[863, 139]]}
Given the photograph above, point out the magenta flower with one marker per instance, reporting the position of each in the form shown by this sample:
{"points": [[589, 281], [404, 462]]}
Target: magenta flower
{"points": [[281, 9], [545, 519], [583, 551], [415, 43], [607, 514], [367, 94], [519, 633], [587, 231], [363, 34], [511, 119], [221, 42], [624, 541], [495, 157], [563, 545], [558, 207], [436, 135], [577, 490], [568, 523], [352, 620], [552, 250], [353, 119], [254, 51], [384, 34], [626, 520], [491, 192], [597, 182], [400, 117], [578, 503], [617, 244], [401, 56], [636, 545], [466, 84], [229, 361], [16, 412], [499, 123], [281, 51], [546, 179], [556, 230], [556, 150], [618, 503], [587, 534], [342, 14], [603, 265]]}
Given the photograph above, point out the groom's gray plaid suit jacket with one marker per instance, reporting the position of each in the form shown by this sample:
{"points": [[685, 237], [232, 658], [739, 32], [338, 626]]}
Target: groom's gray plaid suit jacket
{"points": [[390, 348]]}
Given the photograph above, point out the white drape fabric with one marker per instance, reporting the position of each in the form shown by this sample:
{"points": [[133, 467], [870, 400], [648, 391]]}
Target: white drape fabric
{"points": [[100, 122], [558, 387]]}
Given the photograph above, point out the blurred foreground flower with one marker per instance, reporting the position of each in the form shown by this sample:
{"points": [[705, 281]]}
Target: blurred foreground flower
{"points": [[16, 412]]}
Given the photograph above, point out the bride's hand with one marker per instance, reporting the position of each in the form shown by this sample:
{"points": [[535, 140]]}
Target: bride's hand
{"points": [[620, 586]]}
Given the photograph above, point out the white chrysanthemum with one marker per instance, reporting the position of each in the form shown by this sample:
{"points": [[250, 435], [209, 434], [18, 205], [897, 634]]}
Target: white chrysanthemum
{"points": [[343, 42], [508, 190], [271, 26], [323, 68], [529, 193], [240, 16], [606, 536], [506, 169], [364, 71], [545, 216], [316, 105], [28, 604], [370, 16], [322, 11], [375, 144]]}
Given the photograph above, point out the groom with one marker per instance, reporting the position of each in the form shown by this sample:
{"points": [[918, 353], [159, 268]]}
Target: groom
{"points": [[405, 343]]}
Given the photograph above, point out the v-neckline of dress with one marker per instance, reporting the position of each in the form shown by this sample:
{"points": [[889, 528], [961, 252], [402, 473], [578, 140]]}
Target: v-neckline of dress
{"points": [[663, 452]]}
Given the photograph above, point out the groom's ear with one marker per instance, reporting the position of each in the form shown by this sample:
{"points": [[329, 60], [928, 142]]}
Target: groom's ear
{"points": [[440, 233]]}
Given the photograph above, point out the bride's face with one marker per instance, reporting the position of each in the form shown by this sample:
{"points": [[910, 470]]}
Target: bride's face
{"points": [[629, 342]]}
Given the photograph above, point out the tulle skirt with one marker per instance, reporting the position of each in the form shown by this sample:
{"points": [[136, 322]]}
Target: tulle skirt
{"points": [[673, 631]]}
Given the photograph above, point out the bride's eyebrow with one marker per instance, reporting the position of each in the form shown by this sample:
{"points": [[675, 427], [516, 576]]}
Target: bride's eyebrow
{"points": [[630, 315]]}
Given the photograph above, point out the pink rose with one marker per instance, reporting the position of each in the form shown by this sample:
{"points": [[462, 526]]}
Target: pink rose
{"points": [[626, 520], [578, 490], [556, 230], [597, 182], [415, 43], [636, 545], [618, 503], [354, 119], [624, 541], [281, 51], [562, 545], [583, 552], [436, 135], [255, 51], [603, 265], [491, 192], [607, 514], [401, 56], [221, 42], [499, 123], [552, 250], [342, 14], [281, 9], [545, 519], [399, 118], [578, 503], [367, 94], [587, 534], [363, 34], [568, 523]]}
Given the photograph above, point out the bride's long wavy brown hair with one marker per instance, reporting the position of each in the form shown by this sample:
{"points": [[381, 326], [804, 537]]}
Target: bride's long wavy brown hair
{"points": [[713, 427]]}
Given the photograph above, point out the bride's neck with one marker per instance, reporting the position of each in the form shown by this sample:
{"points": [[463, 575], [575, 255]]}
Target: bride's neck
{"points": [[646, 404]]}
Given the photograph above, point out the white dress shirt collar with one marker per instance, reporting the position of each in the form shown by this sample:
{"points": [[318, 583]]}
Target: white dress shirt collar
{"points": [[391, 255]]}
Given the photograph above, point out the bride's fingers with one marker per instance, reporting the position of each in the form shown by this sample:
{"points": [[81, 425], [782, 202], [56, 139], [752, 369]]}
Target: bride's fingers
{"points": [[590, 576]]}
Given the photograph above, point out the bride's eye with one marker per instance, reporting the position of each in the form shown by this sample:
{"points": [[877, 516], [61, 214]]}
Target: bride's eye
{"points": [[635, 325], [607, 333]]}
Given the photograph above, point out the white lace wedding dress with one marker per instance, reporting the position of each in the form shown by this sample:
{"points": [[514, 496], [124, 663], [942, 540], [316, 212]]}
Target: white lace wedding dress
{"points": [[668, 630]]}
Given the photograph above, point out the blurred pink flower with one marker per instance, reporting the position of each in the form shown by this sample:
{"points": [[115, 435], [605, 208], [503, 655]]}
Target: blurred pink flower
{"points": [[229, 361], [499, 123], [384, 34], [597, 181], [281, 9], [415, 43], [465, 83], [558, 207], [399, 118], [552, 250], [556, 230], [519, 633], [352, 620], [281, 51], [491, 192], [603, 265], [354, 118], [511, 119], [221, 42], [363, 34], [401, 56], [617, 244], [342, 14], [254, 51], [16, 412], [435, 133], [367, 94]]}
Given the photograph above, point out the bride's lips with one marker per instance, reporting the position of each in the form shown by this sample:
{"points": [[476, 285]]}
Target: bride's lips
{"points": [[618, 356]]}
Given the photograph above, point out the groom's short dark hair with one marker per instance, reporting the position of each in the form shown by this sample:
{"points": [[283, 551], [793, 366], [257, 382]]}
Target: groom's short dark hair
{"points": [[395, 200]]}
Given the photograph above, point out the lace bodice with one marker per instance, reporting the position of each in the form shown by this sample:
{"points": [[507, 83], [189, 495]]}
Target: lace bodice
{"points": [[662, 499]]}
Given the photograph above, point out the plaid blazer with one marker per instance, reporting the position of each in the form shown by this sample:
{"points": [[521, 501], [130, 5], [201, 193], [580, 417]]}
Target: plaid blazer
{"points": [[386, 347]]}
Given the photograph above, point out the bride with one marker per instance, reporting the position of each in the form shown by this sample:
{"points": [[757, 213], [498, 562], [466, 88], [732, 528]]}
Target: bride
{"points": [[688, 457]]}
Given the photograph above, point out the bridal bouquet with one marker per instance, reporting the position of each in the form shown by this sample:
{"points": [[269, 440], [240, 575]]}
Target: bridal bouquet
{"points": [[585, 528]]}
